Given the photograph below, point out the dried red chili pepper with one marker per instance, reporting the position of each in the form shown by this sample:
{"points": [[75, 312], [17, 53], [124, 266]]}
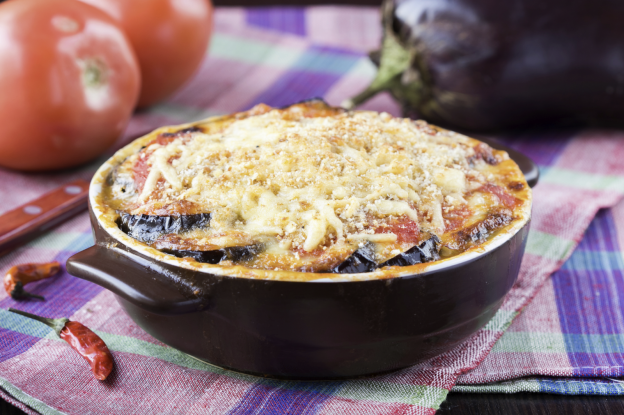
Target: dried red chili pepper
{"points": [[82, 339], [20, 275]]}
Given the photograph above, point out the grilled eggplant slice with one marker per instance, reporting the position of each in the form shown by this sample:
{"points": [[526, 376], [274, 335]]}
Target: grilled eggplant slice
{"points": [[425, 252], [362, 260], [234, 254], [479, 232], [146, 228]]}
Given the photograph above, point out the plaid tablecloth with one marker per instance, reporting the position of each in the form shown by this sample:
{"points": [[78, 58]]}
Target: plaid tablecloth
{"points": [[571, 335]]}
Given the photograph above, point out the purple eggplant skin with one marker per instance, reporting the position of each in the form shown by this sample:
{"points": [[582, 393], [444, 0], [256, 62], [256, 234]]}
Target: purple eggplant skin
{"points": [[147, 228], [234, 253], [488, 65], [362, 260], [425, 252]]}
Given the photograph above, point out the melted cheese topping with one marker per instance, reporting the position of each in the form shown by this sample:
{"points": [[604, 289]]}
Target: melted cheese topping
{"points": [[314, 178], [313, 188]]}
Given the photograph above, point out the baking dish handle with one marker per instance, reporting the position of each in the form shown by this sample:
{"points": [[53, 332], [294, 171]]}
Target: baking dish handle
{"points": [[132, 278]]}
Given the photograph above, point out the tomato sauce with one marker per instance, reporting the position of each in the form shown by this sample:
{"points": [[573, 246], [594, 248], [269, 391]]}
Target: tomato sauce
{"points": [[506, 199], [454, 218], [404, 228], [140, 169]]}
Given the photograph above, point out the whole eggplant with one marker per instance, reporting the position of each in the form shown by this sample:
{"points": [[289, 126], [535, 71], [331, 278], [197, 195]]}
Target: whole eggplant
{"points": [[490, 64]]}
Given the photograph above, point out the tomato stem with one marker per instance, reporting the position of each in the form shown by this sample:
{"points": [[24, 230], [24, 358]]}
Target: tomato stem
{"points": [[93, 74]]}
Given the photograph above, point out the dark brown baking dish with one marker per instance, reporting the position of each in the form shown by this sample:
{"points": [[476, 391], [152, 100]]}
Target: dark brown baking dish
{"points": [[306, 330]]}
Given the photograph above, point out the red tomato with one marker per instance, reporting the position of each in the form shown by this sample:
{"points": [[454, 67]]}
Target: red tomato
{"points": [[170, 38], [69, 81]]}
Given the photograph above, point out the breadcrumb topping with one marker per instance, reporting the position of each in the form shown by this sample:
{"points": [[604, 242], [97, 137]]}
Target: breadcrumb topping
{"points": [[312, 181]]}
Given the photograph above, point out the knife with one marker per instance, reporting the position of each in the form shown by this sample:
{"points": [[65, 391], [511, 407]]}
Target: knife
{"points": [[32, 219]]}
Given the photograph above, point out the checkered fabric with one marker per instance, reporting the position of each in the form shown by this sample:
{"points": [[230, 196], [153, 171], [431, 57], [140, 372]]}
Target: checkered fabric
{"points": [[574, 327], [278, 56]]}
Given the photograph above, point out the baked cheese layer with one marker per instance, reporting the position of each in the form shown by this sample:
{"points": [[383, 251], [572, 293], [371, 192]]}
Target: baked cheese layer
{"points": [[310, 184]]}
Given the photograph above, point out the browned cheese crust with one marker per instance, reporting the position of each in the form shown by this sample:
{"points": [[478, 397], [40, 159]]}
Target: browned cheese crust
{"points": [[309, 185]]}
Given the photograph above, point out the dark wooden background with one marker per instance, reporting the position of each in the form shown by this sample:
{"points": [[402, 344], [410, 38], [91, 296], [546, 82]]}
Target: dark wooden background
{"points": [[459, 403]]}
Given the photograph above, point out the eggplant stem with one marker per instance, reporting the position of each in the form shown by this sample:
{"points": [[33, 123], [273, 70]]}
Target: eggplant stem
{"points": [[55, 324], [394, 60], [362, 97]]}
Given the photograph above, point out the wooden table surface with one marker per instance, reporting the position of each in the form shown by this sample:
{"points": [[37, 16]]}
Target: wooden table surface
{"points": [[530, 404], [461, 403]]}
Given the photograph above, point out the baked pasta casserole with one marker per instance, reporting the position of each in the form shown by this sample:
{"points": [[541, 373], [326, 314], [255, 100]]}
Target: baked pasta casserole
{"points": [[312, 188]]}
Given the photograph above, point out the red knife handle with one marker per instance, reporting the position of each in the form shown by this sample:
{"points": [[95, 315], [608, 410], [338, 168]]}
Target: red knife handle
{"points": [[32, 219]]}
